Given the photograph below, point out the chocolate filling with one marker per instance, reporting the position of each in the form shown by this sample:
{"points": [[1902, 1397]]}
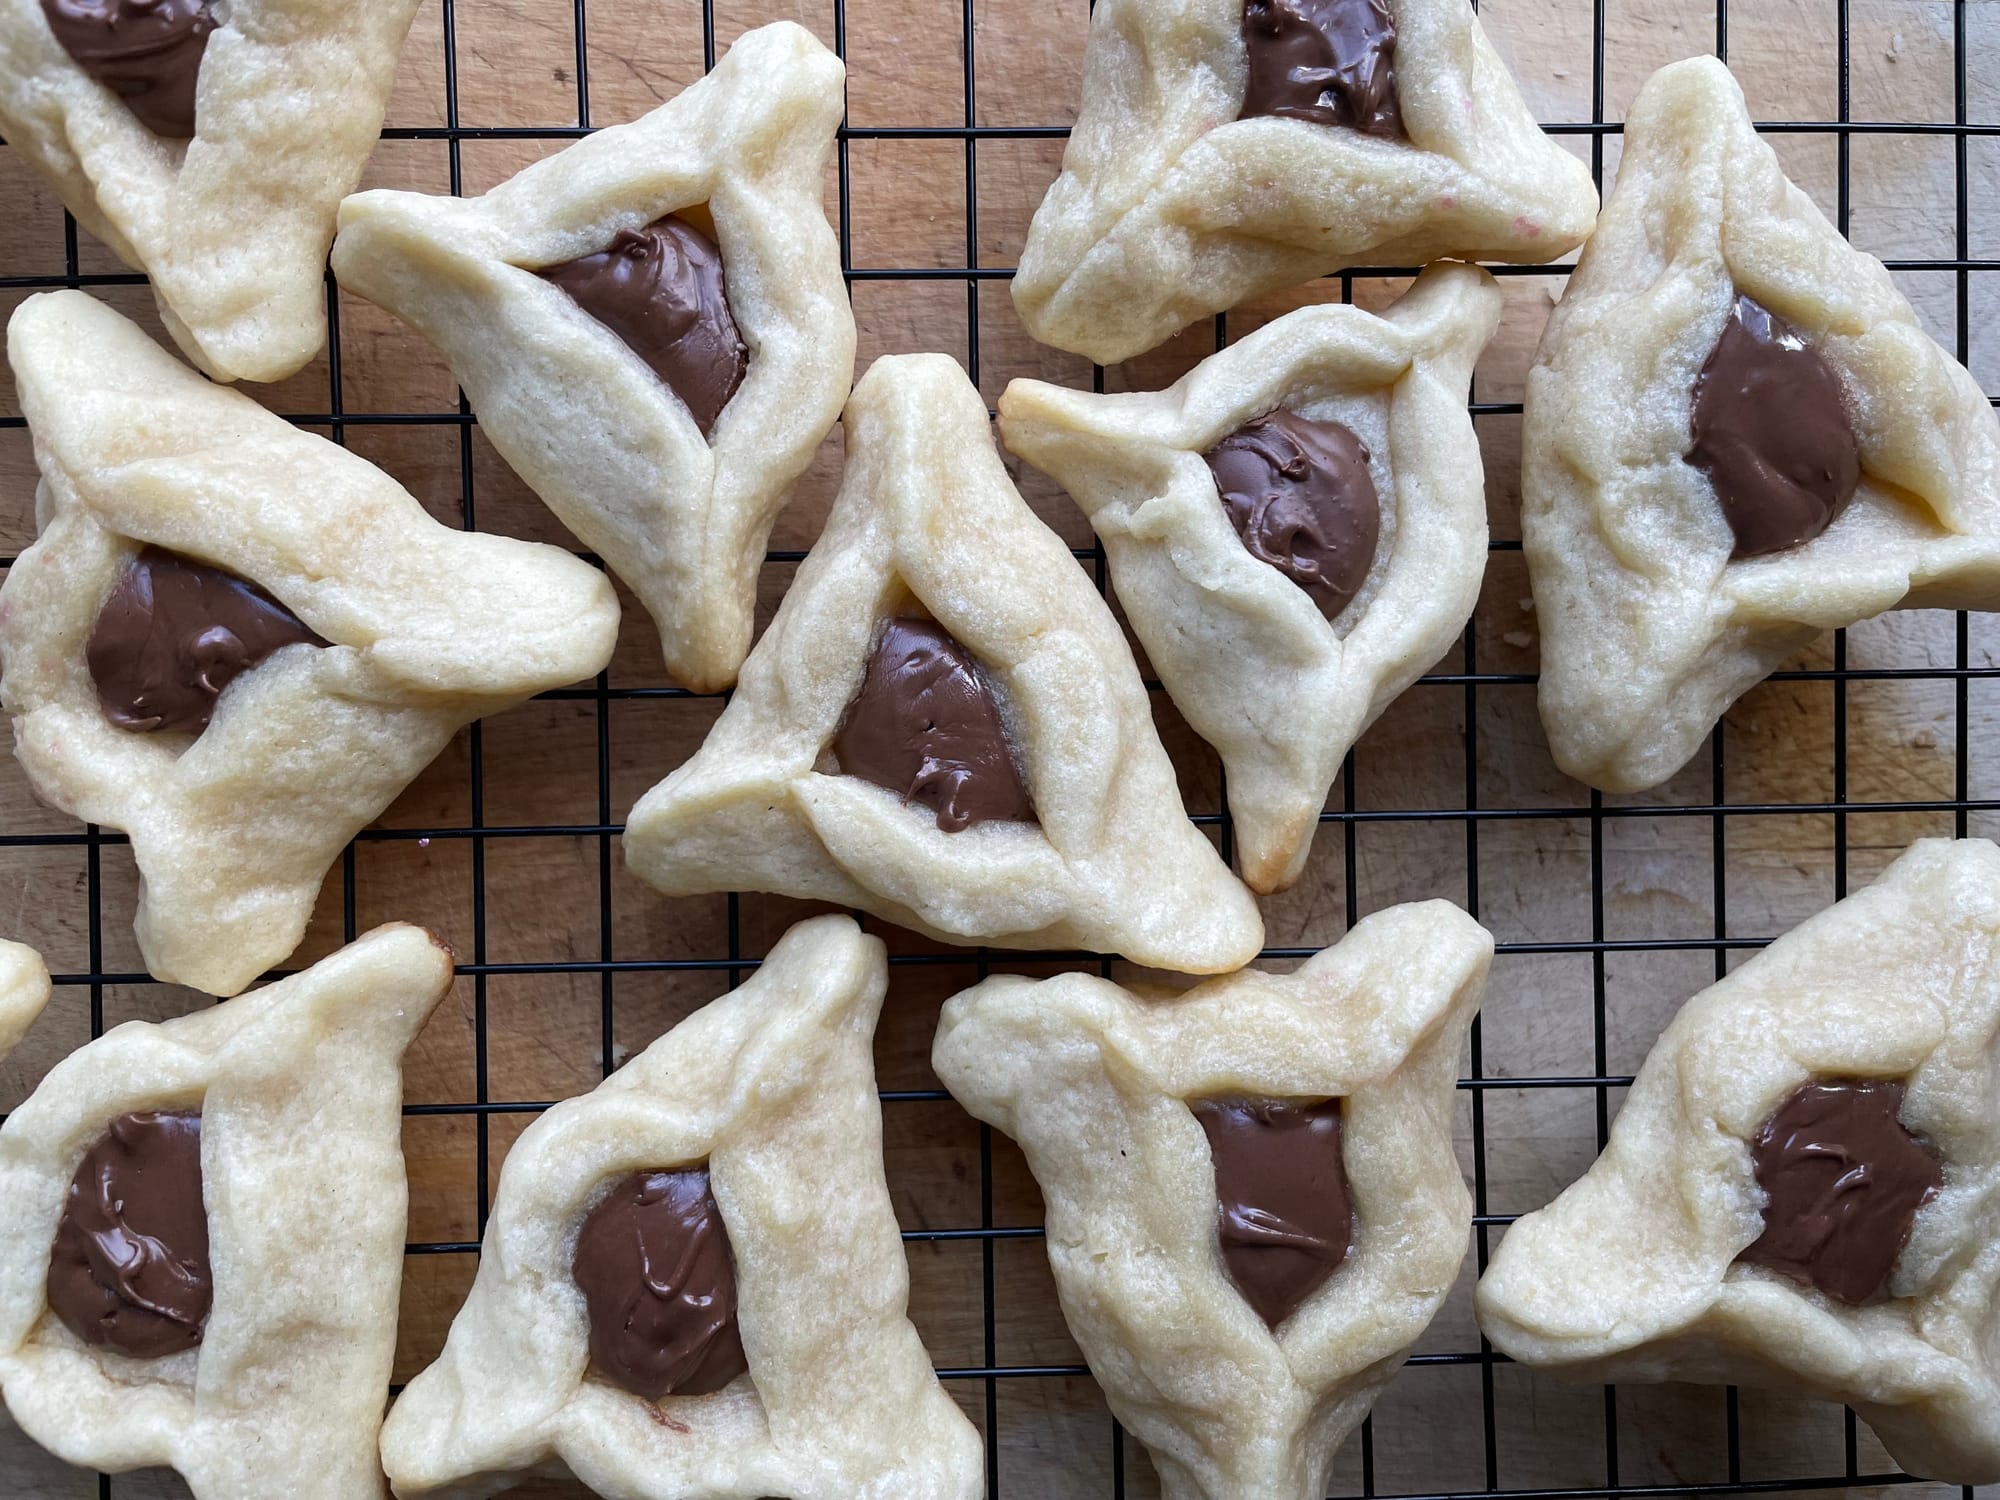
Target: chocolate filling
{"points": [[1300, 495], [174, 633], [925, 726], [653, 1263], [1283, 1210], [129, 1267], [1843, 1181], [148, 52], [1332, 62], [661, 290], [1772, 434]]}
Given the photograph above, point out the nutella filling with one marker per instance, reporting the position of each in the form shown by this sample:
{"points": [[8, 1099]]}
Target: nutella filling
{"points": [[174, 633], [148, 52], [1843, 1181], [1332, 62], [657, 1276], [1300, 495], [1282, 1205], [660, 289], [925, 726], [129, 1267], [1772, 434]]}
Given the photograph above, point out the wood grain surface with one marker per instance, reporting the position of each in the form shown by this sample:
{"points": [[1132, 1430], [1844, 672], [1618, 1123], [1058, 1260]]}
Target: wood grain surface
{"points": [[1537, 867]]}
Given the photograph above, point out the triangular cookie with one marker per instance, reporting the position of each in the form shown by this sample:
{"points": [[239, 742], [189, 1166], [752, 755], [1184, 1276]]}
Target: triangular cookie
{"points": [[416, 630], [1279, 682], [1023, 799], [264, 1253], [1173, 204], [767, 1096], [231, 226], [681, 515], [1650, 626], [1657, 1265], [24, 990], [1242, 1317]]}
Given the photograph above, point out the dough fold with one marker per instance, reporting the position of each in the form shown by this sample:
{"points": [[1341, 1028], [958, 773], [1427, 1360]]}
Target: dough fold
{"points": [[1649, 630], [231, 226], [24, 990], [1095, 1080], [1632, 1275], [429, 629], [773, 1086], [607, 445], [299, 1087], [927, 521], [1279, 690], [1170, 208]]}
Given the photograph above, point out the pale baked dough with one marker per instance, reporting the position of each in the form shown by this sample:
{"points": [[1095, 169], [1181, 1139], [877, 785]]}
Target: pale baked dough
{"points": [[1630, 1274], [928, 517], [231, 226], [1649, 631], [682, 519], [1094, 1081], [432, 628], [24, 990], [1258, 671], [773, 1086], [300, 1091], [1170, 208]]}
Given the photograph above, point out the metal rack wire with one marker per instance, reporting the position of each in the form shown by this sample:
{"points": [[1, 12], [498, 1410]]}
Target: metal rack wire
{"points": [[988, 1374]]}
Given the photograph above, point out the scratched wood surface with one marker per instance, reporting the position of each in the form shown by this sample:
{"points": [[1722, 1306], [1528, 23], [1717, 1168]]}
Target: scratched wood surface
{"points": [[1661, 874]]}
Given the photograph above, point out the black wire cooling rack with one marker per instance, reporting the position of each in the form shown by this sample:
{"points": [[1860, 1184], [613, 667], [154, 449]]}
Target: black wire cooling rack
{"points": [[987, 1376]]}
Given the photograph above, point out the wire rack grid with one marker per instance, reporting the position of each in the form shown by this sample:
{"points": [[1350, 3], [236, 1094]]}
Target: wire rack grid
{"points": [[980, 1384]]}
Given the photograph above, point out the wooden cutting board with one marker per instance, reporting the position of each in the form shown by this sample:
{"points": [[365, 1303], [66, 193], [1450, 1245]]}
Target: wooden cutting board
{"points": [[1444, 747]]}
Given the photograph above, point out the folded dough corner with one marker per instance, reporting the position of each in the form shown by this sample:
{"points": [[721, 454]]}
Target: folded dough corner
{"points": [[1190, 186], [563, 299], [1737, 436], [944, 724], [238, 642], [203, 1243], [208, 148], [1799, 1190], [1254, 1206], [1276, 668], [743, 1150]]}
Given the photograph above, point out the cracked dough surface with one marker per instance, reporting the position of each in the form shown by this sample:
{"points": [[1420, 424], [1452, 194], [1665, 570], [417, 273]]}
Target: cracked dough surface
{"points": [[773, 1086], [1170, 208], [1630, 1274], [604, 442], [431, 628], [1248, 658], [300, 1092], [1649, 630], [927, 516], [232, 226], [1093, 1080]]}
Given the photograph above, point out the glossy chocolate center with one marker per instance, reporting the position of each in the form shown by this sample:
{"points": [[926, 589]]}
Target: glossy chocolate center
{"points": [[129, 1267], [1281, 1188], [654, 1266], [925, 726], [1843, 1181], [148, 52], [1771, 432], [174, 633], [660, 289], [1332, 62], [1300, 495]]}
